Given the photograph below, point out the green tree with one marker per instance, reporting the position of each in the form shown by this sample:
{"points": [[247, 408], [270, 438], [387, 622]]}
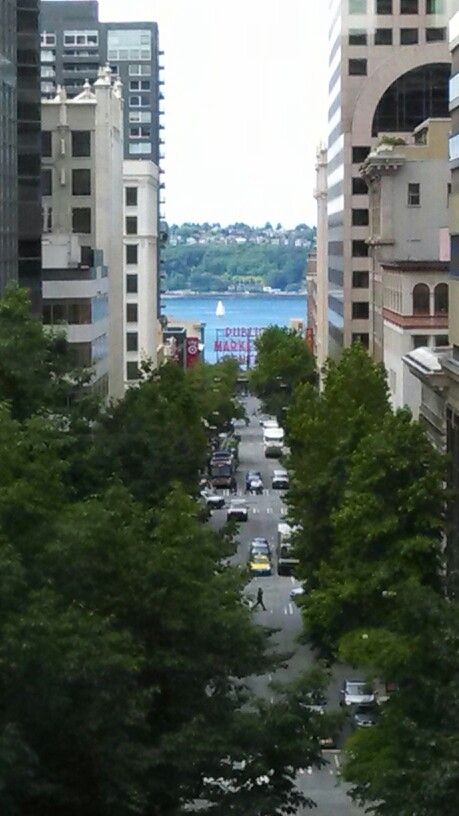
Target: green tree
{"points": [[409, 762], [387, 530], [324, 429], [283, 363]]}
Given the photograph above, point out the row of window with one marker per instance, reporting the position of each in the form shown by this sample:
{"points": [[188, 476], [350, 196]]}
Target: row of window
{"points": [[421, 299], [76, 312], [71, 38], [385, 36], [387, 7], [81, 182], [80, 143]]}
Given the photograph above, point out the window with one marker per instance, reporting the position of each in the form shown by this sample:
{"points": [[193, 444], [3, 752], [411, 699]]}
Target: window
{"points": [[131, 284], [359, 187], [139, 70], [360, 311], [357, 6], [420, 340], [47, 72], [383, 6], [359, 249], [48, 39], [132, 371], [140, 132], [383, 36], [46, 144], [139, 148], [414, 97], [360, 280], [448, 193], [409, 36], [139, 102], [131, 225], [81, 143], [435, 6], [357, 67], [139, 85], [359, 154], [81, 219], [441, 340], [132, 251], [140, 116], [421, 299], [357, 36], [46, 182], [360, 218], [131, 196], [414, 195], [441, 299], [435, 34], [363, 338], [409, 7], [132, 341], [83, 38], [132, 313], [81, 182], [125, 44]]}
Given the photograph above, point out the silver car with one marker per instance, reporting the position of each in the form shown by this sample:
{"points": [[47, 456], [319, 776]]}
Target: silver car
{"points": [[238, 510], [356, 693]]}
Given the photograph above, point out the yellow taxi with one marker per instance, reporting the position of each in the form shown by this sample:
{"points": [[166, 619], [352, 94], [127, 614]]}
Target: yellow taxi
{"points": [[260, 564]]}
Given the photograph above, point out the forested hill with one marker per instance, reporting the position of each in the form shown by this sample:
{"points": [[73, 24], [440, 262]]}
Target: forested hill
{"points": [[208, 257]]}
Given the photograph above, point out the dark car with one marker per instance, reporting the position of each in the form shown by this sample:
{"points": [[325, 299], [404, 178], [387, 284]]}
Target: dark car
{"points": [[365, 716], [260, 546]]}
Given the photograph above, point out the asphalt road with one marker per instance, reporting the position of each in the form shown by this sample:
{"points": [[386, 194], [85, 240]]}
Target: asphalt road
{"points": [[324, 786]]}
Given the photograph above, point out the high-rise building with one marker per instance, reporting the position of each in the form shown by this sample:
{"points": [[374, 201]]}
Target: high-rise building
{"points": [[20, 208], [83, 214], [8, 144], [389, 68], [74, 45], [29, 149]]}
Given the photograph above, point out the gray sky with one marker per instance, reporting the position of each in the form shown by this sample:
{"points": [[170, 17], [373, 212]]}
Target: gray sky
{"points": [[245, 105]]}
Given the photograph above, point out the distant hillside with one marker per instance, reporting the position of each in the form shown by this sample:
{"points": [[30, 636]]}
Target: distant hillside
{"points": [[204, 257]]}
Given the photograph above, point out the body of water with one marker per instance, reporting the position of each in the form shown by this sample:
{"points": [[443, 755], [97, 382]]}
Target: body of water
{"points": [[245, 315]]}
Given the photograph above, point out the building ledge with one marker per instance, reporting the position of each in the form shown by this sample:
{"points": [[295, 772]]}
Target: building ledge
{"points": [[426, 364], [427, 322]]}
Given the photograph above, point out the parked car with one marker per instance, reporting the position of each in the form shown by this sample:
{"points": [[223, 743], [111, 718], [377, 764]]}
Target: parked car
{"points": [[356, 693], [238, 510], [260, 546], [365, 716], [269, 423], [213, 500], [260, 564], [280, 480]]}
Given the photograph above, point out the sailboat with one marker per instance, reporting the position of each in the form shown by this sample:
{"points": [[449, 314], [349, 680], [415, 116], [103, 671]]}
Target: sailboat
{"points": [[220, 310]]}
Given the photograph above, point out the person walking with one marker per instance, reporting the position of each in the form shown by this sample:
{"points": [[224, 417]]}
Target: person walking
{"points": [[259, 600]]}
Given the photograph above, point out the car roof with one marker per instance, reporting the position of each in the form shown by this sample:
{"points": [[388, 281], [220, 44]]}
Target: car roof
{"points": [[280, 473], [239, 502]]}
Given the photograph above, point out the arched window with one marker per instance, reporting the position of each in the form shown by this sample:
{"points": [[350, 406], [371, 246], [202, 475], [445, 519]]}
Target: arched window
{"points": [[421, 299], [441, 299], [413, 98]]}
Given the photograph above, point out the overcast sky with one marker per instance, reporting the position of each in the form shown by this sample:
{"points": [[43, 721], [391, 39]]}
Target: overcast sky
{"points": [[245, 105]]}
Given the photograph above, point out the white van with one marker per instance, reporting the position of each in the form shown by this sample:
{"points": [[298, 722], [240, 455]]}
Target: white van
{"points": [[273, 442]]}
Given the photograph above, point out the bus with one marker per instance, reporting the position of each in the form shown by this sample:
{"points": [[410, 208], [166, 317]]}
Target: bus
{"points": [[286, 561]]}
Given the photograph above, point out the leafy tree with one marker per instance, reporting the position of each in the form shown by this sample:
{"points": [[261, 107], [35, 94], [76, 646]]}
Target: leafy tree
{"points": [[153, 437], [409, 762], [387, 530], [283, 363], [36, 371], [324, 429]]}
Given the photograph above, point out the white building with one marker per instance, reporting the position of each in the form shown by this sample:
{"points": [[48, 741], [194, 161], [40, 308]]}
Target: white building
{"points": [[141, 287], [82, 183]]}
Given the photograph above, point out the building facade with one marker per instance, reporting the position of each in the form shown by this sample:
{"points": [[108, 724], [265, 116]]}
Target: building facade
{"points": [[389, 68], [140, 180], [82, 182], [29, 150], [320, 328], [8, 144]]}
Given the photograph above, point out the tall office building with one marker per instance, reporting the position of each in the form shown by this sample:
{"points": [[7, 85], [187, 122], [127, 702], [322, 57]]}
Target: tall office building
{"points": [[20, 208], [389, 67], [29, 150], [8, 143], [74, 45]]}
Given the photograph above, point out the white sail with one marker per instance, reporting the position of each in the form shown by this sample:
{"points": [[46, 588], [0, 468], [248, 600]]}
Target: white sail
{"points": [[220, 310]]}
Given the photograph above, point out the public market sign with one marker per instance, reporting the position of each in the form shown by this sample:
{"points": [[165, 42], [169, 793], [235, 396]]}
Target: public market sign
{"points": [[237, 342]]}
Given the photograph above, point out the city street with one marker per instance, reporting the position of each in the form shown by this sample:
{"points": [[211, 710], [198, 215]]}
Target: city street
{"points": [[265, 513]]}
